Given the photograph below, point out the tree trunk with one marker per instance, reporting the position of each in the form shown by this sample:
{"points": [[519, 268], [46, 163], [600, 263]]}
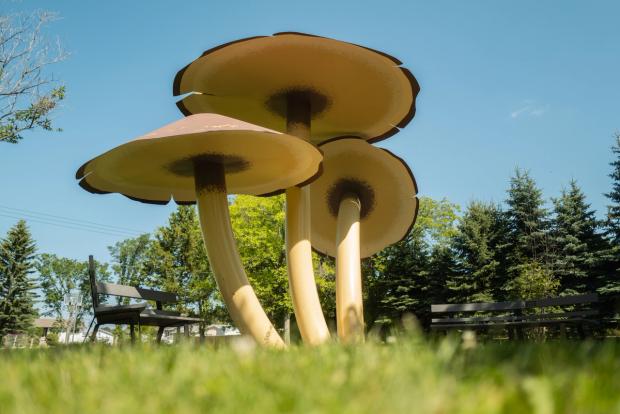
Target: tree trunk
{"points": [[287, 329]]}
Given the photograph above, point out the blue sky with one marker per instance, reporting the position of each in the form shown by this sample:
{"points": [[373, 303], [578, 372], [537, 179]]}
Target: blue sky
{"points": [[504, 84]]}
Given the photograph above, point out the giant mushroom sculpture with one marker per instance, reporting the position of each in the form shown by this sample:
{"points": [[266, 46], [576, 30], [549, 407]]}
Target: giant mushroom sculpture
{"points": [[311, 87], [364, 201], [201, 159]]}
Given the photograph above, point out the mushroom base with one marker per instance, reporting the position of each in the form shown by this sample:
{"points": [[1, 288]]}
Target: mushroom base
{"points": [[306, 304], [349, 305], [240, 299]]}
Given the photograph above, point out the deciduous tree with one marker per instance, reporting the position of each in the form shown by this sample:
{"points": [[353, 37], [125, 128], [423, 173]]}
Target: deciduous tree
{"points": [[28, 93], [61, 276]]}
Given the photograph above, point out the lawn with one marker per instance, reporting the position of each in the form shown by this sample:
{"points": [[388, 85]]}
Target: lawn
{"points": [[407, 375]]}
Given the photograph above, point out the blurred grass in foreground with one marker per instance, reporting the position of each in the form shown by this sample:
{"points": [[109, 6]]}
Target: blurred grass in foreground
{"points": [[407, 376]]}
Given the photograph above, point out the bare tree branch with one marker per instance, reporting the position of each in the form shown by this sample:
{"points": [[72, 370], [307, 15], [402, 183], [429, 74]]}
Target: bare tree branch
{"points": [[28, 94]]}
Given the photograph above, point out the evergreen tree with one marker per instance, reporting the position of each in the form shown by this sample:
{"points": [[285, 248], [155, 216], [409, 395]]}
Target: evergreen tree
{"points": [[576, 243], [176, 261], [528, 225], [442, 266], [610, 283], [613, 209], [478, 246], [17, 253], [407, 276], [400, 277]]}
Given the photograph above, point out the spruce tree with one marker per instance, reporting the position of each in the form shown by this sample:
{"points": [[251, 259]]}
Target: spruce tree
{"points": [[410, 275], [610, 283], [613, 209], [17, 252], [528, 225], [442, 267], [576, 244], [401, 275], [478, 246]]}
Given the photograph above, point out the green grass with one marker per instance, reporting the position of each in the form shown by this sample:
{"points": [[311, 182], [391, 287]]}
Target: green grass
{"points": [[410, 375]]}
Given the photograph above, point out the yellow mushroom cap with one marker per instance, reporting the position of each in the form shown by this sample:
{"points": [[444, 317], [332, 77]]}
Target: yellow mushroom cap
{"points": [[384, 185], [353, 90], [160, 165]]}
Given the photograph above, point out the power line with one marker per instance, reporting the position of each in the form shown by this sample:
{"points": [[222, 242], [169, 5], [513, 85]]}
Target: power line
{"points": [[60, 220], [31, 212], [67, 226]]}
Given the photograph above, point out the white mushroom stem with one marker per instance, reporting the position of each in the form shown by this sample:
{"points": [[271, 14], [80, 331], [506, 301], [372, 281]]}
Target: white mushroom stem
{"points": [[349, 305], [238, 295], [306, 304]]}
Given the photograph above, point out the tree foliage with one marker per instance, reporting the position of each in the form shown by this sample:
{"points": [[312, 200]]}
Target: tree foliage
{"points": [[176, 261], [478, 245], [528, 226], [577, 245], [17, 253], [399, 280], [258, 224], [28, 94], [128, 261], [61, 276], [610, 283], [535, 281]]}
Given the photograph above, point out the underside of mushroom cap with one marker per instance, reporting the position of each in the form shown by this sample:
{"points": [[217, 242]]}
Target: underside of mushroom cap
{"points": [[161, 165], [352, 90], [384, 185]]}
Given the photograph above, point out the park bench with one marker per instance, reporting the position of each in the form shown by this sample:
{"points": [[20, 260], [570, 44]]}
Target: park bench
{"points": [[139, 314], [517, 314]]}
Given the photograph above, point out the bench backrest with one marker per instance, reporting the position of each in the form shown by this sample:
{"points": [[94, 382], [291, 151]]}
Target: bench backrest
{"points": [[134, 292], [93, 281], [516, 304], [112, 289]]}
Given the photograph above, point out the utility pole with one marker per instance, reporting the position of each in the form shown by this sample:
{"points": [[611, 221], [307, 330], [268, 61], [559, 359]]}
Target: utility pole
{"points": [[73, 303]]}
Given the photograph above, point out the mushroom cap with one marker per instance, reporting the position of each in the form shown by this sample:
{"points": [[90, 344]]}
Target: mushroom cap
{"points": [[160, 165], [384, 184], [353, 90]]}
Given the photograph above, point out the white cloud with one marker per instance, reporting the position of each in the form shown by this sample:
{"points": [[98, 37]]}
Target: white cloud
{"points": [[529, 108]]}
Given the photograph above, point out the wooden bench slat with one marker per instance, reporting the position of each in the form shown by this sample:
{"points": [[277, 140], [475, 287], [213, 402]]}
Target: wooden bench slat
{"points": [[515, 304], [563, 300], [134, 292], [516, 317], [475, 307], [490, 325]]}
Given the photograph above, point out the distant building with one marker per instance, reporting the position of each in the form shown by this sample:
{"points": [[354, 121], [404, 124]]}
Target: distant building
{"points": [[103, 335]]}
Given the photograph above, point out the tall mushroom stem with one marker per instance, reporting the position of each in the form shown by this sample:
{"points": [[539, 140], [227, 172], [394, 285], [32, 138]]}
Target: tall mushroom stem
{"points": [[349, 305], [240, 299], [306, 304]]}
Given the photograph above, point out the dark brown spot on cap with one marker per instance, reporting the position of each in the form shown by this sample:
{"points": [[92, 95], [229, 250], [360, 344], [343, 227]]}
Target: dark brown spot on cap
{"points": [[185, 167], [344, 186], [277, 103]]}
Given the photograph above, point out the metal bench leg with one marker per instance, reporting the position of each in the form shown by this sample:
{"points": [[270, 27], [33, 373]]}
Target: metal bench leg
{"points": [[160, 332], [87, 331], [93, 337], [582, 332]]}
